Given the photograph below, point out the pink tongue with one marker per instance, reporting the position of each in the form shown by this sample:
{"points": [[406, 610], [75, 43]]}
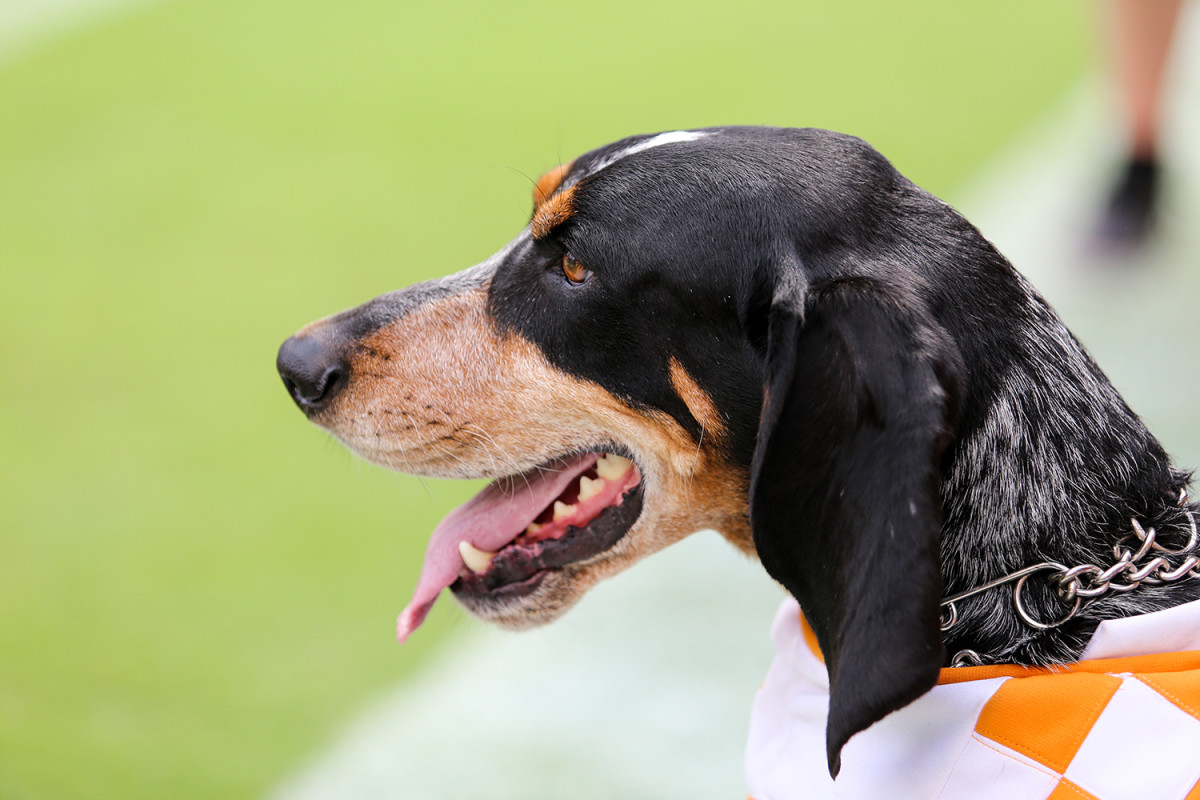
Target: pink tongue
{"points": [[489, 520]]}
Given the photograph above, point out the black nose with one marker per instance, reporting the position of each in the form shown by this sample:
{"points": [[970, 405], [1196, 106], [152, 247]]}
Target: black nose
{"points": [[313, 371]]}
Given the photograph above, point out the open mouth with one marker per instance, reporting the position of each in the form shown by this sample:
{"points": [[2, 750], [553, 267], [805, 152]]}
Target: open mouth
{"points": [[502, 542]]}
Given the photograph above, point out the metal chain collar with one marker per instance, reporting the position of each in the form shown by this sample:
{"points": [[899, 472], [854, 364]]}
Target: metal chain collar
{"points": [[1078, 584]]}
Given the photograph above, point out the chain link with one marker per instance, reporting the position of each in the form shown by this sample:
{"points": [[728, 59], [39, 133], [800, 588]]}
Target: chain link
{"points": [[1079, 584]]}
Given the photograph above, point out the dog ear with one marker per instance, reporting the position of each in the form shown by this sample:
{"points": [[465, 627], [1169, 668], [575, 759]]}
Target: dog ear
{"points": [[844, 496]]}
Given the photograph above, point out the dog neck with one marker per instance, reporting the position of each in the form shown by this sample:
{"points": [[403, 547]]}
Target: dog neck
{"points": [[1052, 466]]}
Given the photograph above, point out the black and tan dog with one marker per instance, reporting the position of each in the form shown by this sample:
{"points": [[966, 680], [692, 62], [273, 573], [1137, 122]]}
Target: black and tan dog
{"points": [[773, 334]]}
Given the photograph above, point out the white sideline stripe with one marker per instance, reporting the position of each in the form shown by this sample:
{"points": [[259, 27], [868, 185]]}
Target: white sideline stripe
{"points": [[26, 25], [644, 690]]}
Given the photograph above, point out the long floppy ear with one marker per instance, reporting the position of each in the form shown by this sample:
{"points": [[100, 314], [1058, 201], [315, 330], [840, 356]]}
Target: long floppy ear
{"points": [[844, 494]]}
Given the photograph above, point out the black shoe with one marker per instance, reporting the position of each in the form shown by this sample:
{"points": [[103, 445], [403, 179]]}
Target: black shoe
{"points": [[1128, 220]]}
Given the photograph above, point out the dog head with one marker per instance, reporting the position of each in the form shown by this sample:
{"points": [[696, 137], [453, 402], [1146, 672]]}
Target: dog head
{"points": [[742, 329]]}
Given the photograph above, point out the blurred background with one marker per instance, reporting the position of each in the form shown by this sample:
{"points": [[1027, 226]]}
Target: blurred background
{"points": [[198, 589]]}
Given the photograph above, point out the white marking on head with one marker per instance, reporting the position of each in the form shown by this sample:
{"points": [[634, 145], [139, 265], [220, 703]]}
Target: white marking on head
{"points": [[663, 138], [671, 137]]}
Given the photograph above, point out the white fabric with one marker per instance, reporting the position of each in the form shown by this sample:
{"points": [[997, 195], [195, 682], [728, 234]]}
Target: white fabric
{"points": [[1116, 764], [930, 749], [1172, 630], [988, 771]]}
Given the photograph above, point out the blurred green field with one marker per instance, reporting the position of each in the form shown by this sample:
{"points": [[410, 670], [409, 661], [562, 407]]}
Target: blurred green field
{"points": [[196, 586]]}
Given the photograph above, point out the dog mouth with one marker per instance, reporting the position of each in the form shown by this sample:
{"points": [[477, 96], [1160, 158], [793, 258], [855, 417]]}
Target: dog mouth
{"points": [[503, 542]]}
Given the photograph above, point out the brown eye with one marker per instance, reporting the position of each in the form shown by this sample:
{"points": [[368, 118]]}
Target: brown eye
{"points": [[575, 272]]}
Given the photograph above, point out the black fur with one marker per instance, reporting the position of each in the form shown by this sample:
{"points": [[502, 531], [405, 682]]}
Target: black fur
{"points": [[916, 385], [844, 498]]}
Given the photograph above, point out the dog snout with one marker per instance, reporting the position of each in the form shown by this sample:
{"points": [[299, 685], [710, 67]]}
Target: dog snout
{"points": [[314, 370]]}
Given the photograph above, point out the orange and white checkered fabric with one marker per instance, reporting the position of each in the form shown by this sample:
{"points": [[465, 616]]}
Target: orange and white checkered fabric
{"points": [[1123, 724]]}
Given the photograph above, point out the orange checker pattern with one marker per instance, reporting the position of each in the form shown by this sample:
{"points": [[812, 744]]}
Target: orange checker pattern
{"points": [[1181, 688], [1047, 714], [1047, 717], [1158, 662], [1069, 791]]}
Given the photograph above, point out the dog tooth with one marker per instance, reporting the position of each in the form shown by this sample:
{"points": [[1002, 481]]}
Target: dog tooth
{"points": [[611, 466], [562, 510], [476, 560], [532, 528], [589, 488]]}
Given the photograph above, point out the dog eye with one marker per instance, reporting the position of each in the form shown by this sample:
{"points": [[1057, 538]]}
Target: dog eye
{"points": [[576, 273]]}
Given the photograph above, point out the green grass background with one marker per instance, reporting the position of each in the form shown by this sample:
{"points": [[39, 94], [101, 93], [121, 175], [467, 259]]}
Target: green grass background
{"points": [[195, 586]]}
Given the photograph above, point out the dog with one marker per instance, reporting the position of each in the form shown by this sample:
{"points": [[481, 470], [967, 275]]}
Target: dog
{"points": [[771, 333]]}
